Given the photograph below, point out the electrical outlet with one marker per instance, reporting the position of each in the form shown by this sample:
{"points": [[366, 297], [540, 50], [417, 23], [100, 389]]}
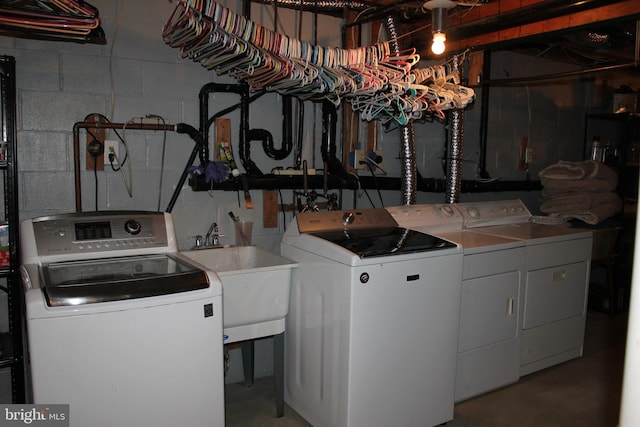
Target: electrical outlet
{"points": [[110, 147], [377, 157]]}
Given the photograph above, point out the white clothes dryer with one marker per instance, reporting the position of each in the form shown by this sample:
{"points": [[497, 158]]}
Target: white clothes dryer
{"points": [[558, 264], [488, 354]]}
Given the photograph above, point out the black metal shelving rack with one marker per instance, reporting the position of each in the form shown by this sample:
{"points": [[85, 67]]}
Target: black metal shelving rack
{"points": [[12, 354], [622, 131]]}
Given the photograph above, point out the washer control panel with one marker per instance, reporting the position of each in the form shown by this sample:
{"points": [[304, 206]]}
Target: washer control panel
{"points": [[85, 232], [436, 217], [309, 222], [498, 212]]}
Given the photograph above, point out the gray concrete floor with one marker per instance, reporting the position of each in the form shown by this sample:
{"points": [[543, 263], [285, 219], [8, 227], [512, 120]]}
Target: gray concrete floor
{"points": [[583, 392]]}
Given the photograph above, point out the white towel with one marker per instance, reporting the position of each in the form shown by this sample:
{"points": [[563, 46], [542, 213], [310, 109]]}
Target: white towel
{"points": [[585, 184], [579, 170], [575, 201], [596, 214]]}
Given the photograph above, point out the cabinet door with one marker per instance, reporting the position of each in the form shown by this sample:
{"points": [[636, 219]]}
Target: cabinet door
{"points": [[489, 310]]}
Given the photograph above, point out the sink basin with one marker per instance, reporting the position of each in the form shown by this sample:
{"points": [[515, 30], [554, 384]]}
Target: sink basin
{"points": [[255, 289]]}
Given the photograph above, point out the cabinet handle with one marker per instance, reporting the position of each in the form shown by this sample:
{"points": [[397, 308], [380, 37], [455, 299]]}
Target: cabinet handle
{"points": [[559, 275], [511, 303]]}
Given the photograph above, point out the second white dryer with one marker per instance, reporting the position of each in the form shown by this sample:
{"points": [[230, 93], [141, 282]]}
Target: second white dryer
{"points": [[492, 289]]}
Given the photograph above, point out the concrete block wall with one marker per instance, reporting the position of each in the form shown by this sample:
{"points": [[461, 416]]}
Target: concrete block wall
{"points": [[136, 74]]}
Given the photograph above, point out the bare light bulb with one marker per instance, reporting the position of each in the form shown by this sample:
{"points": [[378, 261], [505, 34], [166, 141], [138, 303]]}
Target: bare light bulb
{"points": [[437, 47]]}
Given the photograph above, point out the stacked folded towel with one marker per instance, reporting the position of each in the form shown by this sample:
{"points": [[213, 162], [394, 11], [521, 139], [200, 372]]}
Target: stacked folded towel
{"points": [[580, 190]]}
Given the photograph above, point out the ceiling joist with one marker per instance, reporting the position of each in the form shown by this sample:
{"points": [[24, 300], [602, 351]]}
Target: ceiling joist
{"points": [[625, 9]]}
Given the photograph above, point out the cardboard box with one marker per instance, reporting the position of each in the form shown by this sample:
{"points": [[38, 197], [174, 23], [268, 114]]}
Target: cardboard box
{"points": [[4, 245]]}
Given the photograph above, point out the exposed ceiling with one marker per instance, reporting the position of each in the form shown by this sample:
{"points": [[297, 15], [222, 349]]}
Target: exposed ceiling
{"points": [[584, 32], [598, 45], [589, 33]]}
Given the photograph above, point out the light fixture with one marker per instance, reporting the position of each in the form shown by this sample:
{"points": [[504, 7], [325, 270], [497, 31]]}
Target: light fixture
{"points": [[439, 10], [437, 47]]}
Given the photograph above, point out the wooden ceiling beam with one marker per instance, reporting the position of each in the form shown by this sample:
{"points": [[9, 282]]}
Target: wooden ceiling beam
{"points": [[619, 10]]}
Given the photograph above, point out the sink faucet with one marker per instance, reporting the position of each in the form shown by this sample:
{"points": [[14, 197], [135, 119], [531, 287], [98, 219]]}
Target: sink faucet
{"points": [[215, 237]]}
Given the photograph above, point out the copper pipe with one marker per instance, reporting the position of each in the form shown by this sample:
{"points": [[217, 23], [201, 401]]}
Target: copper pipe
{"points": [[88, 125]]}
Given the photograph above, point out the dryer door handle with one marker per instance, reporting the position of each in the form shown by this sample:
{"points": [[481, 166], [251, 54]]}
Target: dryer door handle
{"points": [[511, 304]]}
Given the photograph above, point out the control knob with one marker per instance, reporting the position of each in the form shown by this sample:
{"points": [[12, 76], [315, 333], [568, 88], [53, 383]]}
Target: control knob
{"points": [[446, 210], [132, 227], [348, 218], [473, 212]]}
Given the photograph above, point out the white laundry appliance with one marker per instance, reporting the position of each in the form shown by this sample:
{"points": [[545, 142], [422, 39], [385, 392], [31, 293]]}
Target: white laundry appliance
{"points": [[558, 262], [492, 288], [120, 326], [371, 334]]}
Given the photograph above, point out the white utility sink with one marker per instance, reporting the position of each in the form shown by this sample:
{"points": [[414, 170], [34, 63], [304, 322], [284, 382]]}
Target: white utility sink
{"points": [[255, 289]]}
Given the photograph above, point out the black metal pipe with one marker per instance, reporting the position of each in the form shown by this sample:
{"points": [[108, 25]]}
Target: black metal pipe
{"points": [[244, 148], [298, 160], [328, 145], [201, 142], [287, 133], [204, 112], [484, 115], [232, 108], [425, 185]]}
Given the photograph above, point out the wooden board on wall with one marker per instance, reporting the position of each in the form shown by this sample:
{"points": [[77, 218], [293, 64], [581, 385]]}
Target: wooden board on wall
{"points": [[223, 134], [269, 208]]}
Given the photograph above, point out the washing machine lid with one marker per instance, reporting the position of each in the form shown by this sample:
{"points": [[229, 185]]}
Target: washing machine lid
{"points": [[82, 282], [387, 241]]}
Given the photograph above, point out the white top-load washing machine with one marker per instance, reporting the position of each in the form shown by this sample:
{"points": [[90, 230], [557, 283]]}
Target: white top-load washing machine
{"points": [[372, 330], [120, 326], [558, 263], [492, 288]]}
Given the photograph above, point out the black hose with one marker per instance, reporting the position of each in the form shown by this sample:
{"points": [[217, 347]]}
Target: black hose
{"points": [[197, 149], [197, 138], [183, 178]]}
